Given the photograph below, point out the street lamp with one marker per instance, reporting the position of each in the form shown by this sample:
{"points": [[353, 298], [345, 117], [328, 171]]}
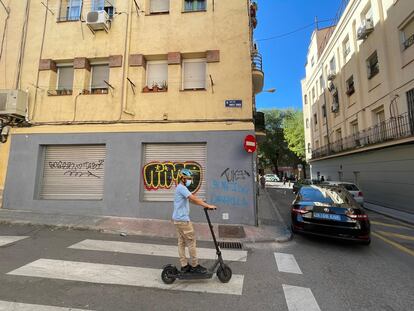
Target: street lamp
{"points": [[268, 91]]}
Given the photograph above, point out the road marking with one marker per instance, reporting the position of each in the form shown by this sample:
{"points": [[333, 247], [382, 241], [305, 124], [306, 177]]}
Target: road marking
{"points": [[287, 263], [154, 249], [8, 239], [16, 306], [396, 235], [395, 244], [300, 298], [389, 225], [122, 275]]}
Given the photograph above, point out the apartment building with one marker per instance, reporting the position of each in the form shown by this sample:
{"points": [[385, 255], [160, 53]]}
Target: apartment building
{"points": [[102, 102], [358, 100]]}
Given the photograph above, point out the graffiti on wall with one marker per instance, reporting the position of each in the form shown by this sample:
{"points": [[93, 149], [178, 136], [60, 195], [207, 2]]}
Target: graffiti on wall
{"points": [[231, 188], [233, 175], [163, 175], [78, 169]]}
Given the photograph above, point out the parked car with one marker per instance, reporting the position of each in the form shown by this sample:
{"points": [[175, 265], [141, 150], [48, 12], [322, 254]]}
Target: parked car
{"points": [[271, 177], [352, 188], [331, 211], [303, 182]]}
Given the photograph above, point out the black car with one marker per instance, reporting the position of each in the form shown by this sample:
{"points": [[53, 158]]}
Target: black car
{"points": [[329, 211], [303, 182]]}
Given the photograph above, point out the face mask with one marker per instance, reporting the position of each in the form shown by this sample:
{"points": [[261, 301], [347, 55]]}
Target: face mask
{"points": [[188, 183]]}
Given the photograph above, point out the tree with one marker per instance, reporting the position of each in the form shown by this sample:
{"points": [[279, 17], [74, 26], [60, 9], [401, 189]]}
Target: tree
{"points": [[294, 132], [274, 151]]}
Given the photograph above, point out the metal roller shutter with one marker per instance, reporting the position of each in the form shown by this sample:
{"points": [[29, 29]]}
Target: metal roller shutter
{"points": [[162, 163], [73, 172]]}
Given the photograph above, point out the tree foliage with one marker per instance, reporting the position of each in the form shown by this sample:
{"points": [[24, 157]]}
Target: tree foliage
{"points": [[274, 151], [294, 132]]}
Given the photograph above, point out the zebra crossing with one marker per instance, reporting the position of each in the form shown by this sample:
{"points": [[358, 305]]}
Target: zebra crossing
{"points": [[297, 298]]}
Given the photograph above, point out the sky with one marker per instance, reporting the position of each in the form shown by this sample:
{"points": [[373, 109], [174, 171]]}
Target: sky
{"points": [[284, 57]]}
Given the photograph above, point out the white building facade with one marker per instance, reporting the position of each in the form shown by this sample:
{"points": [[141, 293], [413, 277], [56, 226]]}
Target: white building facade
{"points": [[358, 101]]}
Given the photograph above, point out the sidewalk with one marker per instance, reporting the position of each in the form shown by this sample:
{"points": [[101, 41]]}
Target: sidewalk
{"points": [[390, 212], [272, 231]]}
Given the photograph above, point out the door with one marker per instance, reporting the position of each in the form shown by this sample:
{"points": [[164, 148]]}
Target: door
{"points": [[162, 163], [410, 103], [73, 172]]}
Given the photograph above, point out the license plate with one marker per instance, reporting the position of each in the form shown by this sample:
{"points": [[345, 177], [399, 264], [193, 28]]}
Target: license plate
{"points": [[327, 216]]}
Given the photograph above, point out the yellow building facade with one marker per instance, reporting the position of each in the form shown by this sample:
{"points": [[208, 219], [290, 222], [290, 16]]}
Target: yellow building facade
{"points": [[112, 87]]}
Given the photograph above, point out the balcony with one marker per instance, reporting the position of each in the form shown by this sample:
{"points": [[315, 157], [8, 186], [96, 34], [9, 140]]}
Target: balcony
{"points": [[257, 73], [392, 129]]}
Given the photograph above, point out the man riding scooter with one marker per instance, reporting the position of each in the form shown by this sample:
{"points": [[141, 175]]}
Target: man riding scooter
{"points": [[181, 219]]}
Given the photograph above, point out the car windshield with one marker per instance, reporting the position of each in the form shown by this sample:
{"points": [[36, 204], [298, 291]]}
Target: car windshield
{"points": [[325, 195], [350, 187]]}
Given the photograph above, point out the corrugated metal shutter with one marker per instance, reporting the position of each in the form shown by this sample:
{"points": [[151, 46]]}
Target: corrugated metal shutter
{"points": [[158, 6], [73, 172], [171, 157]]}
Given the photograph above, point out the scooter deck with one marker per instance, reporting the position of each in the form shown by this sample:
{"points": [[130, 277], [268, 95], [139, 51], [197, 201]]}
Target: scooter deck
{"points": [[194, 276]]}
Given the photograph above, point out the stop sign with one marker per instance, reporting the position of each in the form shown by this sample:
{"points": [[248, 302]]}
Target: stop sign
{"points": [[250, 143]]}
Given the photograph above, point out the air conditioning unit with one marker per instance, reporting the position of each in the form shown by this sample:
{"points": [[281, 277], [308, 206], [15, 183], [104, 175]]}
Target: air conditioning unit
{"points": [[331, 75], [98, 20], [367, 26], [13, 103]]}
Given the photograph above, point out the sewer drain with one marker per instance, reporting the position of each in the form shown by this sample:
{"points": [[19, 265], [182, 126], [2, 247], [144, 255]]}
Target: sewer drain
{"points": [[232, 232], [234, 245]]}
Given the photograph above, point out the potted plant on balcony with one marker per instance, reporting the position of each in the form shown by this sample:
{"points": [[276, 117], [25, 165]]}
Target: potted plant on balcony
{"points": [[164, 86], [155, 87], [146, 89]]}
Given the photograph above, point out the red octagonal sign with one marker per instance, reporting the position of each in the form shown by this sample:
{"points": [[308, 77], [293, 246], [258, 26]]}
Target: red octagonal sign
{"points": [[250, 143]]}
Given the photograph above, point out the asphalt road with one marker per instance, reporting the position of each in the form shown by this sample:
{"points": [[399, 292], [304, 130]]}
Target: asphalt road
{"points": [[55, 270]]}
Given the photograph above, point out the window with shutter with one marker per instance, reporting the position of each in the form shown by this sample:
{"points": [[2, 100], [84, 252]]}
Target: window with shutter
{"points": [[159, 6], [194, 74], [65, 80], [99, 74], [157, 74], [70, 10]]}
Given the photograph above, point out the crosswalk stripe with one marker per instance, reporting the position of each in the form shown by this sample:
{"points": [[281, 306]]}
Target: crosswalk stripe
{"points": [[122, 275], [300, 299], [16, 306], [154, 249], [287, 263], [7, 239]]}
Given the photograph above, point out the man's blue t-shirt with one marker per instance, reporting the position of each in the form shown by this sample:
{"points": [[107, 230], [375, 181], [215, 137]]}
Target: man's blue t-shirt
{"points": [[181, 204]]}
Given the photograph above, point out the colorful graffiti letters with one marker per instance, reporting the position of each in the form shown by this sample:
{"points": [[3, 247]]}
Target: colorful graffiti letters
{"points": [[163, 175]]}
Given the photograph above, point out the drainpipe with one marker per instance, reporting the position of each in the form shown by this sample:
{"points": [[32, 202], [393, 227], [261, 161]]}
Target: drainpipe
{"points": [[124, 97]]}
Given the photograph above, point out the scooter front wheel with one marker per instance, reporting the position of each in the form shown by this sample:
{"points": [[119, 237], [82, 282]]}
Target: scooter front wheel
{"points": [[168, 274], [224, 273]]}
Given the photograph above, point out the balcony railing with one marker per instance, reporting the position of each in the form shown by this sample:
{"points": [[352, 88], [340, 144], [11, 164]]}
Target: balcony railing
{"points": [[394, 128], [257, 61]]}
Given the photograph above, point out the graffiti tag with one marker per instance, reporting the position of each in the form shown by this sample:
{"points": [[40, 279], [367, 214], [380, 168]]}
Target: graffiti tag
{"points": [[80, 174], [73, 166], [235, 174], [163, 175]]}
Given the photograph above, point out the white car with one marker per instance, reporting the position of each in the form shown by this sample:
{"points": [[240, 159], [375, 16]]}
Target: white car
{"points": [[271, 177], [352, 189]]}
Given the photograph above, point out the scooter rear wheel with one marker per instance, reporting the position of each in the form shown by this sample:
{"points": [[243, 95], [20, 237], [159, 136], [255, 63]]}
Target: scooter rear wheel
{"points": [[168, 275], [224, 273]]}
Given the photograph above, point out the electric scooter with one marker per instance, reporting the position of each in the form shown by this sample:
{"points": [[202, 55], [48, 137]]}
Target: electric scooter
{"points": [[170, 273]]}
